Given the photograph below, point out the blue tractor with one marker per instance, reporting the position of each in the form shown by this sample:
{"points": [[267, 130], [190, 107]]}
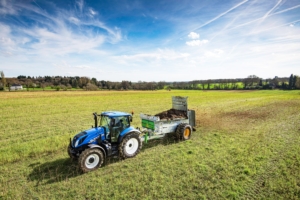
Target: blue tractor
{"points": [[112, 135]]}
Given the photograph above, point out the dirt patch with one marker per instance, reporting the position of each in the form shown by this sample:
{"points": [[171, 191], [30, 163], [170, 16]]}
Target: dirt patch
{"points": [[172, 114], [245, 119], [256, 114], [233, 91], [242, 91]]}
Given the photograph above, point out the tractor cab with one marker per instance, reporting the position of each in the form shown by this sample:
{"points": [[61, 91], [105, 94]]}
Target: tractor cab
{"points": [[114, 124]]}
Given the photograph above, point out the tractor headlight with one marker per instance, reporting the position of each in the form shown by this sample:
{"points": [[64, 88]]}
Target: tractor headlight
{"points": [[79, 138], [76, 143], [79, 141]]}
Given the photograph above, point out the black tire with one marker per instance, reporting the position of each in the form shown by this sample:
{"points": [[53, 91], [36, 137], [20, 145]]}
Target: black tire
{"points": [[72, 156], [90, 159], [130, 145], [183, 131]]}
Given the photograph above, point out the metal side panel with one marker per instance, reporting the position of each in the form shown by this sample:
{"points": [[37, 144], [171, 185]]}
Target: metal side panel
{"points": [[149, 117], [179, 103], [192, 118]]}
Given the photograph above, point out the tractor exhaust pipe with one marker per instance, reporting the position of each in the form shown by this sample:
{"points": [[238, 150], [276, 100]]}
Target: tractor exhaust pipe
{"points": [[96, 121]]}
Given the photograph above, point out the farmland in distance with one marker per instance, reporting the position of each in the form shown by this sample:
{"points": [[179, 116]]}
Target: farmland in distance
{"points": [[246, 146]]}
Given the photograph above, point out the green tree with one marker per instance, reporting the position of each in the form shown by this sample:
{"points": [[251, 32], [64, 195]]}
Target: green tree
{"points": [[43, 85], [276, 82], [94, 81], [291, 80], [234, 84], [294, 81], [91, 87], [28, 84], [260, 82], [297, 82], [83, 81], [3, 80], [160, 84], [283, 85]]}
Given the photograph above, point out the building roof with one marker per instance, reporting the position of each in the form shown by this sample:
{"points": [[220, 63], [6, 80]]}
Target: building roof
{"points": [[16, 84]]}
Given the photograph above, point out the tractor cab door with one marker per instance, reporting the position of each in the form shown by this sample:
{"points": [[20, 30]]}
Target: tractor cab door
{"points": [[118, 124], [105, 122]]}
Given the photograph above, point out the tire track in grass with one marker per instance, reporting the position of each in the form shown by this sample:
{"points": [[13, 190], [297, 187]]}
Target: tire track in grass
{"points": [[254, 189]]}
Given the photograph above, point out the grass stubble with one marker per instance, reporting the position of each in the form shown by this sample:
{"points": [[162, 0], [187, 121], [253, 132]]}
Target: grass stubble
{"points": [[246, 147]]}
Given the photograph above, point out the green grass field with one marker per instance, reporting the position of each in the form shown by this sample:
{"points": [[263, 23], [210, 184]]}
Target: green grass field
{"points": [[247, 146]]}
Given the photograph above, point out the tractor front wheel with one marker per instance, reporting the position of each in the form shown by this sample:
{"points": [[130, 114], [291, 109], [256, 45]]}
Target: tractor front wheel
{"points": [[130, 145], [90, 159]]}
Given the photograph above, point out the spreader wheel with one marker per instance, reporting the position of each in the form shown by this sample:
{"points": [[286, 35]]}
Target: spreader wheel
{"points": [[90, 159], [183, 131], [130, 145]]}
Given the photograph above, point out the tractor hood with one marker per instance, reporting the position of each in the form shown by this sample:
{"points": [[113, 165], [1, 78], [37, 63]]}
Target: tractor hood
{"points": [[88, 137]]}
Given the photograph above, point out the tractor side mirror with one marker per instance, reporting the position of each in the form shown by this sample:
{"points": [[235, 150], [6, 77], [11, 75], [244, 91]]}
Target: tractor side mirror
{"points": [[130, 118]]}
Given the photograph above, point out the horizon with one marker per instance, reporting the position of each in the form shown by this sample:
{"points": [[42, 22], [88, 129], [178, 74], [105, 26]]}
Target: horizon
{"points": [[150, 41], [217, 79]]}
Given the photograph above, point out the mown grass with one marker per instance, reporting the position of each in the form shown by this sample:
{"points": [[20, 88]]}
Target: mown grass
{"points": [[246, 146]]}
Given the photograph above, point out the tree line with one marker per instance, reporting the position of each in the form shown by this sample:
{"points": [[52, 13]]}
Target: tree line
{"points": [[86, 83], [251, 82]]}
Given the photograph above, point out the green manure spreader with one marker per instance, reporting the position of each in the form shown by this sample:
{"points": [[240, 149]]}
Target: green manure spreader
{"points": [[179, 120]]}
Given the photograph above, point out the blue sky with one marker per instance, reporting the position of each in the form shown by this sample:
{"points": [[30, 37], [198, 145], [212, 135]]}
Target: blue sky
{"points": [[150, 40]]}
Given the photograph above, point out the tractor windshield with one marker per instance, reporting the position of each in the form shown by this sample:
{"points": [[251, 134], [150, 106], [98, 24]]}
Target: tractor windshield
{"points": [[104, 122]]}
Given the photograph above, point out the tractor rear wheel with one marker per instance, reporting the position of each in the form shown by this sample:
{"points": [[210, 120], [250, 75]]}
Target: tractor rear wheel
{"points": [[130, 145], [183, 131], [90, 159]]}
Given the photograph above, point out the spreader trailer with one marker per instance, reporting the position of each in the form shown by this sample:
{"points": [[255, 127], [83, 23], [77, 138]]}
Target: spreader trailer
{"points": [[112, 134], [179, 120]]}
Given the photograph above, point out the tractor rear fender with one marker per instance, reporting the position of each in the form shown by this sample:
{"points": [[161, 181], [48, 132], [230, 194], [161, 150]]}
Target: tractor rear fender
{"points": [[126, 133], [91, 146]]}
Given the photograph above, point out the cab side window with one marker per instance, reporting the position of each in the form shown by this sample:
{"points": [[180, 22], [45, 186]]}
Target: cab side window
{"points": [[121, 123], [125, 122]]}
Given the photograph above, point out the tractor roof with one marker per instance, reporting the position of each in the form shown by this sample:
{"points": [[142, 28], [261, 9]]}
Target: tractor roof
{"points": [[115, 114]]}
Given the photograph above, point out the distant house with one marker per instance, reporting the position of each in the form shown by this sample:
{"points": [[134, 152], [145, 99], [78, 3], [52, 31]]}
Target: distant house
{"points": [[272, 86], [16, 87]]}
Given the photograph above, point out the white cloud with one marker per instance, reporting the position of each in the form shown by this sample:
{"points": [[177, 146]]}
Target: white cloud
{"points": [[193, 35], [159, 54], [92, 12], [83, 67], [6, 8], [73, 39], [61, 43], [196, 42], [222, 14], [7, 43], [74, 20], [215, 53], [53, 35], [80, 4]]}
